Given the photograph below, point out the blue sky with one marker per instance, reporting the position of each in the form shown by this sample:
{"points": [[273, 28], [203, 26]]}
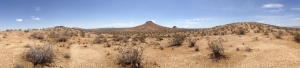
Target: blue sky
{"points": [[27, 14]]}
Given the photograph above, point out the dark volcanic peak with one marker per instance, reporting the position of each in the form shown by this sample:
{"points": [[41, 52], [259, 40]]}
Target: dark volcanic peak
{"points": [[149, 25]]}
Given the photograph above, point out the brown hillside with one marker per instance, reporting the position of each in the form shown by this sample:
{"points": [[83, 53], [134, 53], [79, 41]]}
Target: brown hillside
{"points": [[149, 25]]}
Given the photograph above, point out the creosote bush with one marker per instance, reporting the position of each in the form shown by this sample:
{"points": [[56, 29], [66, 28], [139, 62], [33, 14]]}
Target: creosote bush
{"points": [[62, 39], [297, 37], [67, 55], [216, 47], [177, 40], [192, 43], [41, 55], [130, 56]]}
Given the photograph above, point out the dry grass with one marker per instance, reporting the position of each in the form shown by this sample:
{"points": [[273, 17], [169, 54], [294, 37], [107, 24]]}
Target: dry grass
{"points": [[67, 55], [177, 40], [41, 55], [130, 56], [216, 47], [297, 37]]}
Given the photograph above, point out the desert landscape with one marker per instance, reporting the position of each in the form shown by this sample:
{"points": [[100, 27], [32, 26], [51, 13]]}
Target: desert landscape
{"points": [[149, 45]]}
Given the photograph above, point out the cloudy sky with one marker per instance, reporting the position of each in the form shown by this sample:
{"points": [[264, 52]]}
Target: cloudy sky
{"points": [[27, 14]]}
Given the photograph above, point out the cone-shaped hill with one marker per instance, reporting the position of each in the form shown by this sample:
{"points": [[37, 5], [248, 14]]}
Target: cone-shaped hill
{"points": [[149, 25]]}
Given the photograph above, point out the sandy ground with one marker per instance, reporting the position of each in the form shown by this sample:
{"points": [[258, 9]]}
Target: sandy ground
{"points": [[268, 52]]}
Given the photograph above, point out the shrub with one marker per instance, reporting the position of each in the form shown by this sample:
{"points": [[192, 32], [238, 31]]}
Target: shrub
{"points": [[67, 55], [37, 35], [130, 56], [241, 32], [161, 48], [62, 39], [26, 31], [248, 49], [97, 40], [196, 48], [297, 37], [192, 43], [216, 47], [41, 55], [278, 35], [27, 45], [19, 65], [177, 40]]}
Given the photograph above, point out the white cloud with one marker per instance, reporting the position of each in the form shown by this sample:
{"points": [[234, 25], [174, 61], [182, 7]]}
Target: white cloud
{"points": [[272, 6], [131, 24], [296, 19], [19, 20], [37, 9], [37, 18], [295, 9]]}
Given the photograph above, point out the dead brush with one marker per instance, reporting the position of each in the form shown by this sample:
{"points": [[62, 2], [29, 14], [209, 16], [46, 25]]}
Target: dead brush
{"points": [[177, 40], [216, 47], [41, 55], [297, 37], [130, 56]]}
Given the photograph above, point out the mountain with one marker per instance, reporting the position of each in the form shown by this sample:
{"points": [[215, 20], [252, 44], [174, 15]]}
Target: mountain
{"points": [[149, 25]]}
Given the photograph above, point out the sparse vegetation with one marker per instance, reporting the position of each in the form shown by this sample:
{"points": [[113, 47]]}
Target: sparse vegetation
{"points": [[216, 47], [67, 55], [41, 55], [19, 65], [297, 37], [130, 56], [177, 40]]}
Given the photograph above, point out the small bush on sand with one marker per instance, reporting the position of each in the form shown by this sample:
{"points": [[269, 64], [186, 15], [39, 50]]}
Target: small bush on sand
{"points": [[37, 35], [177, 40], [192, 43], [297, 37], [241, 32], [216, 47], [62, 39], [41, 55], [97, 40], [19, 65], [67, 55], [130, 56], [278, 35]]}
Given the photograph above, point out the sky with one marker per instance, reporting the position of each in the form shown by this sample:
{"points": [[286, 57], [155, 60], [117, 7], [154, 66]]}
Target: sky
{"points": [[29, 14]]}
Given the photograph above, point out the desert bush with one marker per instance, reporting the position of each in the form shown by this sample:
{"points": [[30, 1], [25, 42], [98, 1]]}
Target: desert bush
{"points": [[278, 35], [62, 39], [67, 55], [19, 65], [241, 32], [26, 31], [297, 37], [41, 55], [177, 40], [248, 49], [37, 35], [97, 40], [159, 38], [130, 56], [82, 33], [192, 43], [27, 45], [196, 48], [161, 48], [216, 47]]}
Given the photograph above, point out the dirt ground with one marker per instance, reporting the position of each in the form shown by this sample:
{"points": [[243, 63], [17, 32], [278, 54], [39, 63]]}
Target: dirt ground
{"points": [[267, 52]]}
